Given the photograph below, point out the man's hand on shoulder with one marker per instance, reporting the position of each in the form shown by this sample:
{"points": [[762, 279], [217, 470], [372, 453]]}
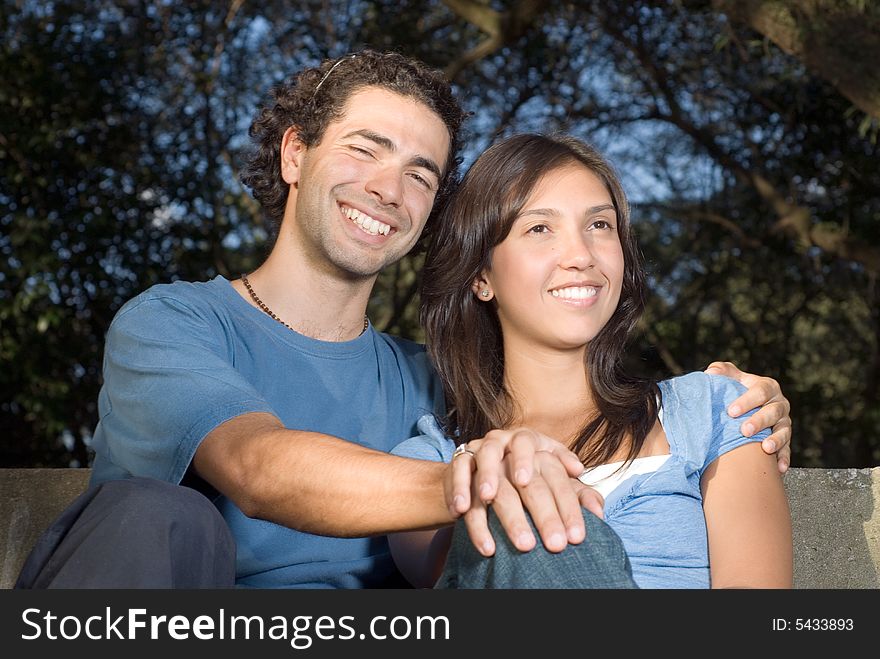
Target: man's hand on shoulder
{"points": [[766, 394]]}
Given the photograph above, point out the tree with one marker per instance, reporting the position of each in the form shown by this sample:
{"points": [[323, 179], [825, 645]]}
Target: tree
{"points": [[752, 169], [835, 39], [120, 129], [756, 181]]}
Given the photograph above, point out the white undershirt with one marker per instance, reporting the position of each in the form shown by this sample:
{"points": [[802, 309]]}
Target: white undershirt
{"points": [[604, 478]]}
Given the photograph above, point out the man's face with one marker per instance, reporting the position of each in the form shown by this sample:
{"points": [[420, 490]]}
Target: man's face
{"points": [[361, 197]]}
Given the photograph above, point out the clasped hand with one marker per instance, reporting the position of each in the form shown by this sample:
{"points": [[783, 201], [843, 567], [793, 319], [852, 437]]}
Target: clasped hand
{"points": [[517, 471]]}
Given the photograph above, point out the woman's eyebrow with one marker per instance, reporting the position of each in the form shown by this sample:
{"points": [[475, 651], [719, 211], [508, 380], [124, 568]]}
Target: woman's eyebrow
{"points": [[543, 212], [549, 212]]}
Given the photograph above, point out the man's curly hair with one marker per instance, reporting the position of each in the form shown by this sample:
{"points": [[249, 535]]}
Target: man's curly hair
{"points": [[317, 96]]}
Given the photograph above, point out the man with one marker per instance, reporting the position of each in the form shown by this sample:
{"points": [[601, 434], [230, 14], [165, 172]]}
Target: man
{"points": [[274, 396]]}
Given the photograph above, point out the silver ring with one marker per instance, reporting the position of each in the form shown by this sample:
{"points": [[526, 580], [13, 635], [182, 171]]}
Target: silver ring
{"points": [[461, 449]]}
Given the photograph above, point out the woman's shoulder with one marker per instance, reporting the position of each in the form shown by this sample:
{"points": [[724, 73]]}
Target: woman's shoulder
{"points": [[695, 415], [700, 390]]}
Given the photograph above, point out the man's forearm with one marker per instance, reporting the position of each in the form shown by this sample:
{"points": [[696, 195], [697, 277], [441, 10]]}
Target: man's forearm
{"points": [[317, 483]]}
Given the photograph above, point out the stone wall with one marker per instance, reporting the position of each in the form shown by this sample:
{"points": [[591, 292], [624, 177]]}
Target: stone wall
{"points": [[836, 527], [835, 515]]}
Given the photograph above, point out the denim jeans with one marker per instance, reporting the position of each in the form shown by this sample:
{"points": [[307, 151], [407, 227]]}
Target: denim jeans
{"points": [[598, 562]]}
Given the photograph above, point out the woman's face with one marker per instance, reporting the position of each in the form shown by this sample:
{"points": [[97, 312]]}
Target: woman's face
{"points": [[557, 276]]}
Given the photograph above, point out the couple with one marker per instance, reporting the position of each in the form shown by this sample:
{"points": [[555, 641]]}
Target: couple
{"points": [[273, 401]]}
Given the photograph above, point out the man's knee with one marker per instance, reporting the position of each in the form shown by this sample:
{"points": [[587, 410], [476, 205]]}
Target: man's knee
{"points": [[158, 503], [157, 509], [134, 533]]}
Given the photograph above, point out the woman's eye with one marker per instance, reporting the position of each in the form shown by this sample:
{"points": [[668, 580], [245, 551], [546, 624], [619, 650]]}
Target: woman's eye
{"points": [[601, 224], [539, 228]]}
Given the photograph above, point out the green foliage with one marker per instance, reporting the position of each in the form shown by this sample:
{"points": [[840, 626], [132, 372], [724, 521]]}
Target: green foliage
{"points": [[121, 134]]}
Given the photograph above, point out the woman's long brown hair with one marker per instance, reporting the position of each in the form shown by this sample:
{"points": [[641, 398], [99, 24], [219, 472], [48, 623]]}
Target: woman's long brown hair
{"points": [[464, 335]]}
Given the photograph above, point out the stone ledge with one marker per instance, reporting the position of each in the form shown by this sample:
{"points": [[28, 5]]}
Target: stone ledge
{"points": [[835, 518], [836, 527], [30, 499]]}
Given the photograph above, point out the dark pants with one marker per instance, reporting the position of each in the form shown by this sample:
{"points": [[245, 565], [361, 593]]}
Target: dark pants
{"points": [[136, 533]]}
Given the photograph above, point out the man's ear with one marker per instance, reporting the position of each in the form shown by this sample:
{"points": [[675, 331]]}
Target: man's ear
{"points": [[292, 152]]}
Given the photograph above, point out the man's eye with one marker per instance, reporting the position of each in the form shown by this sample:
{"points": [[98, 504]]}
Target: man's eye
{"points": [[429, 183], [360, 150]]}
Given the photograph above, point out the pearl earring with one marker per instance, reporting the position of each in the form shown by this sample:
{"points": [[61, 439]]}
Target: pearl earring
{"points": [[485, 293]]}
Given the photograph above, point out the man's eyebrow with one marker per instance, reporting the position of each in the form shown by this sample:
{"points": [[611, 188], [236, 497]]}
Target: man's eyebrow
{"points": [[373, 136], [428, 164], [386, 143]]}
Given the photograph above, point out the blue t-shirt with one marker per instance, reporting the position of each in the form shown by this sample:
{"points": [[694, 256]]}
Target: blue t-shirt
{"points": [[658, 515], [182, 358]]}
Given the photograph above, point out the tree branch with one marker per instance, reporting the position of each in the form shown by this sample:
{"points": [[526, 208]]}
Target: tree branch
{"points": [[501, 28], [700, 215], [663, 350], [836, 40], [793, 220]]}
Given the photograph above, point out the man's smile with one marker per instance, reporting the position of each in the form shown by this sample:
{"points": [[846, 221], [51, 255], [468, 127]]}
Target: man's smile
{"points": [[367, 223]]}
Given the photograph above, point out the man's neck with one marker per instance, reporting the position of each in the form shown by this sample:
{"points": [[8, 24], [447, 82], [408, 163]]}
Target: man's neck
{"points": [[314, 303]]}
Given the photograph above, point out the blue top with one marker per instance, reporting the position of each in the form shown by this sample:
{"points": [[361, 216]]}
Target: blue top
{"points": [[658, 515], [182, 358]]}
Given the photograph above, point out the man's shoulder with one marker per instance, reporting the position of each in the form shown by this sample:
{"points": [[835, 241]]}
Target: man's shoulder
{"points": [[406, 347], [199, 296], [183, 292], [415, 367], [180, 308], [409, 353]]}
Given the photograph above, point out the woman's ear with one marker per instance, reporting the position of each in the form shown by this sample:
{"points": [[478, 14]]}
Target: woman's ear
{"points": [[482, 288], [292, 152]]}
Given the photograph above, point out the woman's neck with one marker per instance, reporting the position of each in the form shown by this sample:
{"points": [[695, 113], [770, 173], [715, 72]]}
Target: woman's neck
{"points": [[552, 394], [550, 391]]}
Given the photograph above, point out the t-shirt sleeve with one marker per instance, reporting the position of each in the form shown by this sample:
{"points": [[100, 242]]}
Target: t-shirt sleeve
{"points": [[426, 391], [431, 445], [726, 434], [169, 380]]}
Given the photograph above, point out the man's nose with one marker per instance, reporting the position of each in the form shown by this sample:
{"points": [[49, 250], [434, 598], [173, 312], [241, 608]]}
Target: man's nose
{"points": [[386, 185]]}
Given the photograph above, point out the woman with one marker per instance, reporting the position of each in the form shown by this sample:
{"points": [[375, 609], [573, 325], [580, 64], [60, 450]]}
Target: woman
{"points": [[532, 285]]}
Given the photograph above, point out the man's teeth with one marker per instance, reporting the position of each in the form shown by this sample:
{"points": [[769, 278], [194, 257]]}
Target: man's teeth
{"points": [[574, 292], [367, 223]]}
